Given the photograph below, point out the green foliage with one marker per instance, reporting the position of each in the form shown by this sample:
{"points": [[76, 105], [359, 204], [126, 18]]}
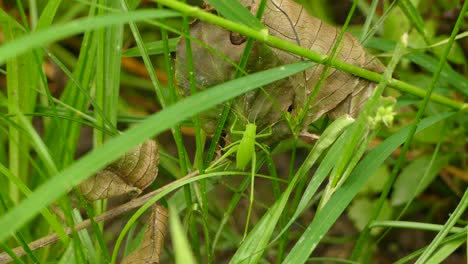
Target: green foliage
{"points": [[102, 74]]}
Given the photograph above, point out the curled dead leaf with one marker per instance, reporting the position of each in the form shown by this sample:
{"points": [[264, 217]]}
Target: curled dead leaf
{"points": [[341, 93], [150, 249], [130, 174]]}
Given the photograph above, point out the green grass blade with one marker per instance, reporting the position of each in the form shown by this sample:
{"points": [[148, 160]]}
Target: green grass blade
{"points": [[236, 12], [48, 14], [155, 124], [437, 241], [182, 251], [343, 196], [446, 250]]}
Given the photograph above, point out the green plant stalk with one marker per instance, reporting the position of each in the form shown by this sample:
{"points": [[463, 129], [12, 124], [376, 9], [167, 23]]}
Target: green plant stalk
{"points": [[415, 225], [199, 153], [263, 37]]}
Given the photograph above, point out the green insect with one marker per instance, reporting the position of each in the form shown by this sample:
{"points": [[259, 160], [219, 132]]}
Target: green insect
{"points": [[245, 154]]}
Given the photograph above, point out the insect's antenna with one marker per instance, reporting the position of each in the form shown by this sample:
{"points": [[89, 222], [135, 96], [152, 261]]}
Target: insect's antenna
{"points": [[239, 114]]}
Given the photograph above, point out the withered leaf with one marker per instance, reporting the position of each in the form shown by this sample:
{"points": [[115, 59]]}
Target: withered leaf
{"points": [[150, 249], [342, 93], [130, 174]]}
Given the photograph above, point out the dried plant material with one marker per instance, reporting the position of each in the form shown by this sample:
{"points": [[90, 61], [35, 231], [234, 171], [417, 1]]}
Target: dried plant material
{"points": [[341, 93], [130, 174], [150, 249]]}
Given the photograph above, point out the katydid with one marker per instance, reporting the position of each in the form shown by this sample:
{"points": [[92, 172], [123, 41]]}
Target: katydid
{"points": [[245, 153]]}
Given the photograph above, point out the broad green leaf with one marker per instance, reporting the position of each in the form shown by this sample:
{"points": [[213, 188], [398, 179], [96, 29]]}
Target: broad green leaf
{"points": [[360, 210], [376, 181], [410, 182]]}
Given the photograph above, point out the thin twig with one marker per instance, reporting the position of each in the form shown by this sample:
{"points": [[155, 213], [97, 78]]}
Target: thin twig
{"points": [[112, 213]]}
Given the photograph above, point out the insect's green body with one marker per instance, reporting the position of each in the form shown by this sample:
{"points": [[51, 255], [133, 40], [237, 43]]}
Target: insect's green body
{"points": [[246, 146]]}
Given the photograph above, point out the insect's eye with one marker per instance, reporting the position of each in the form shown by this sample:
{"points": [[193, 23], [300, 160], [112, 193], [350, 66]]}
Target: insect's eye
{"points": [[237, 38]]}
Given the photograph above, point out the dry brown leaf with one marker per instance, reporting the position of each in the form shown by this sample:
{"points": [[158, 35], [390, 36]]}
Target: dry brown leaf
{"points": [[150, 249], [342, 93], [130, 174]]}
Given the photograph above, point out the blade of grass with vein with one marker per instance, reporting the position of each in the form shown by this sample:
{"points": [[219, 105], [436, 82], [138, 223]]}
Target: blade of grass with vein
{"points": [[236, 12], [22, 79], [110, 42], [343, 196], [148, 64], [414, 225], [182, 251], [115, 147], [54, 223], [446, 250], [370, 15], [6, 19]]}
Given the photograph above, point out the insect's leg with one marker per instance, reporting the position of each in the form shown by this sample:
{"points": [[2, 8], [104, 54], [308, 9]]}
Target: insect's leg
{"points": [[235, 131], [233, 148], [263, 148], [266, 134], [252, 191]]}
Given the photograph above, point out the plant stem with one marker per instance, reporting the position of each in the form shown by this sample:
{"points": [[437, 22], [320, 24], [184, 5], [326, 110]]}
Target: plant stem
{"points": [[276, 42]]}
